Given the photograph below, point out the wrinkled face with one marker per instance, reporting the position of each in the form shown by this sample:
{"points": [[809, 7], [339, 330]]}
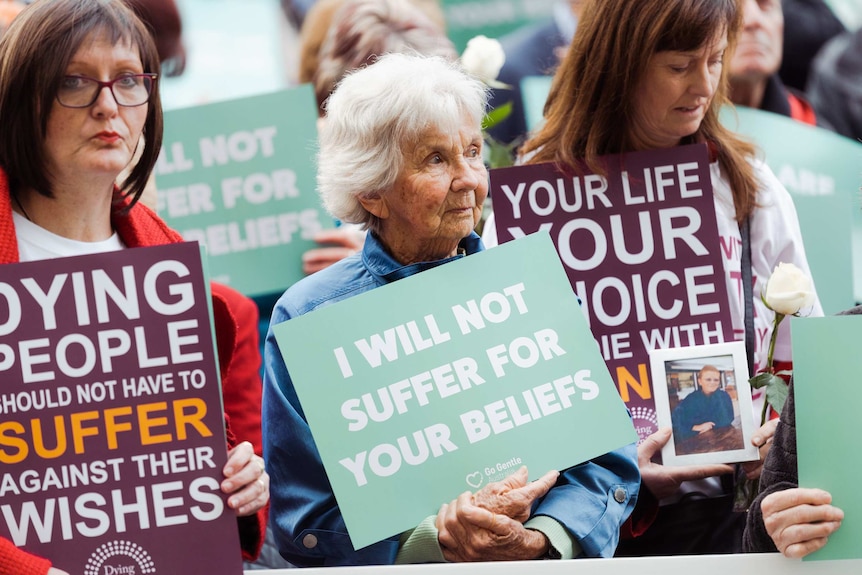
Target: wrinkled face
{"points": [[99, 139], [761, 43], [675, 93], [709, 381], [437, 198]]}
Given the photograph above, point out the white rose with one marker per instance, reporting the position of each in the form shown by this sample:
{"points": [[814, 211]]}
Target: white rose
{"points": [[788, 290], [483, 57]]}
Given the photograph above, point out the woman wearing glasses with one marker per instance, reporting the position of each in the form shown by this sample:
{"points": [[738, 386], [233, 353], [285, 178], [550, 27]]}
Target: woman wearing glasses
{"points": [[78, 95]]}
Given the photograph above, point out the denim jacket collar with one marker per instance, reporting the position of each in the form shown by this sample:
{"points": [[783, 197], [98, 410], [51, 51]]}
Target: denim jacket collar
{"points": [[386, 269]]}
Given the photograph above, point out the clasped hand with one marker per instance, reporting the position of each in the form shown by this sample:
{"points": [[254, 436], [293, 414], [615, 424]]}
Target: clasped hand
{"points": [[488, 525]]}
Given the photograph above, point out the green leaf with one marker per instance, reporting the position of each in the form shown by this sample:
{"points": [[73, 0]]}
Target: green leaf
{"points": [[776, 394], [500, 155], [497, 115], [763, 380]]}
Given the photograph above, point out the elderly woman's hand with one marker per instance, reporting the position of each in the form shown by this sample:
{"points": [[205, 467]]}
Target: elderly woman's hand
{"points": [[467, 532], [246, 480], [514, 496]]}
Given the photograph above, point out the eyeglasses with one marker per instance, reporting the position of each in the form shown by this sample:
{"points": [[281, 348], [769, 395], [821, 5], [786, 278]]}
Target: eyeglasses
{"points": [[128, 90]]}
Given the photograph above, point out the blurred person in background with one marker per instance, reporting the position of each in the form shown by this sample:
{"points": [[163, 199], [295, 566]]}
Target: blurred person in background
{"points": [[754, 79], [532, 50], [835, 84], [808, 26], [8, 10], [361, 31], [297, 11], [164, 21], [343, 35]]}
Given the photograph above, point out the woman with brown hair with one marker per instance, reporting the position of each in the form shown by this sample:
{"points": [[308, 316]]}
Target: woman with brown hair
{"points": [[646, 75]]}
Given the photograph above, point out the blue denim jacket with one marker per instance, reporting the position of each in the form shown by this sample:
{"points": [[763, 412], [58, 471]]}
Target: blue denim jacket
{"points": [[590, 500]]}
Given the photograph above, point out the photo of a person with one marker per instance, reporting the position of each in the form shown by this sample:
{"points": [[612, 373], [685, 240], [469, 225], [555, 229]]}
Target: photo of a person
{"points": [[706, 401], [706, 408], [704, 411]]}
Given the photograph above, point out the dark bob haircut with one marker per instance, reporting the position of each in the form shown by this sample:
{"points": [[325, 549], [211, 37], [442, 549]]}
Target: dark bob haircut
{"points": [[34, 54]]}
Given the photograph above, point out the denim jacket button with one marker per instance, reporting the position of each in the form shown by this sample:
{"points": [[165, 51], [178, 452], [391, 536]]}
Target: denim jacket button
{"points": [[310, 541], [619, 495]]}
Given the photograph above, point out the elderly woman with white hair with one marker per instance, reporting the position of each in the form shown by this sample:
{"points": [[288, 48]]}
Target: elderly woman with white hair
{"points": [[401, 154]]}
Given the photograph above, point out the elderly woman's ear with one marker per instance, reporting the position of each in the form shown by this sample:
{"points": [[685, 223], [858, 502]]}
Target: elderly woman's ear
{"points": [[375, 204]]}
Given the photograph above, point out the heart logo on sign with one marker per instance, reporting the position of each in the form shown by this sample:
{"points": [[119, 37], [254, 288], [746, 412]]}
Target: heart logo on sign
{"points": [[474, 480]]}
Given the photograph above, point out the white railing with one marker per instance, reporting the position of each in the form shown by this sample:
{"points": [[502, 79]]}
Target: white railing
{"points": [[758, 564]]}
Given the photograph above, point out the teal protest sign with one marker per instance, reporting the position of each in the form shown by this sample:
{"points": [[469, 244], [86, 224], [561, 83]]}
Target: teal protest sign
{"points": [[534, 90], [448, 380], [239, 177], [493, 18], [848, 11], [826, 367], [821, 171]]}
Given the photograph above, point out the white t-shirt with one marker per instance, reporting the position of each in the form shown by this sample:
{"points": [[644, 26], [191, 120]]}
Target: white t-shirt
{"points": [[36, 243]]}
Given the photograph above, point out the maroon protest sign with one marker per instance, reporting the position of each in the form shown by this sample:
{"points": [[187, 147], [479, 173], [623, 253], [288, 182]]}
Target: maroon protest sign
{"points": [[112, 438], [640, 246]]}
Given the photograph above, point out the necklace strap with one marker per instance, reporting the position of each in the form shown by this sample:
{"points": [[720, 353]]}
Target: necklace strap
{"points": [[21, 206]]}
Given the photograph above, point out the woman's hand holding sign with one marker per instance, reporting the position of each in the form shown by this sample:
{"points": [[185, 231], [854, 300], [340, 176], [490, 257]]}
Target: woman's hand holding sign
{"points": [[246, 480], [489, 525]]}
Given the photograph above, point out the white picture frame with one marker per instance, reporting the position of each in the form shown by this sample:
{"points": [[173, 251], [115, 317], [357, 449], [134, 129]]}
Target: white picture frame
{"points": [[677, 373]]}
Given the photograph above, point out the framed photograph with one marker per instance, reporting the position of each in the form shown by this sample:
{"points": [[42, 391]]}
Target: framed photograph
{"points": [[702, 392]]}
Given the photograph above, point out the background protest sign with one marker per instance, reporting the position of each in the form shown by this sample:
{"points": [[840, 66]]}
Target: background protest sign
{"points": [[826, 366], [448, 380], [820, 169], [640, 247], [112, 438], [239, 177], [493, 18]]}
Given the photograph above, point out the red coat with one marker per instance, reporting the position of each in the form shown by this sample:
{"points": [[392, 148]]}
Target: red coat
{"points": [[239, 359], [13, 560]]}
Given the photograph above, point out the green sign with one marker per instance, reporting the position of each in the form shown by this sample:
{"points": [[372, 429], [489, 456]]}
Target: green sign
{"points": [[239, 177], [233, 49], [826, 365], [493, 18], [820, 169], [848, 11], [534, 91], [448, 380]]}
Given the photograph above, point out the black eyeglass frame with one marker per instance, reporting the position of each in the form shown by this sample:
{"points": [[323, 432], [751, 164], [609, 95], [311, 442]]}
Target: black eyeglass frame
{"points": [[110, 85]]}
